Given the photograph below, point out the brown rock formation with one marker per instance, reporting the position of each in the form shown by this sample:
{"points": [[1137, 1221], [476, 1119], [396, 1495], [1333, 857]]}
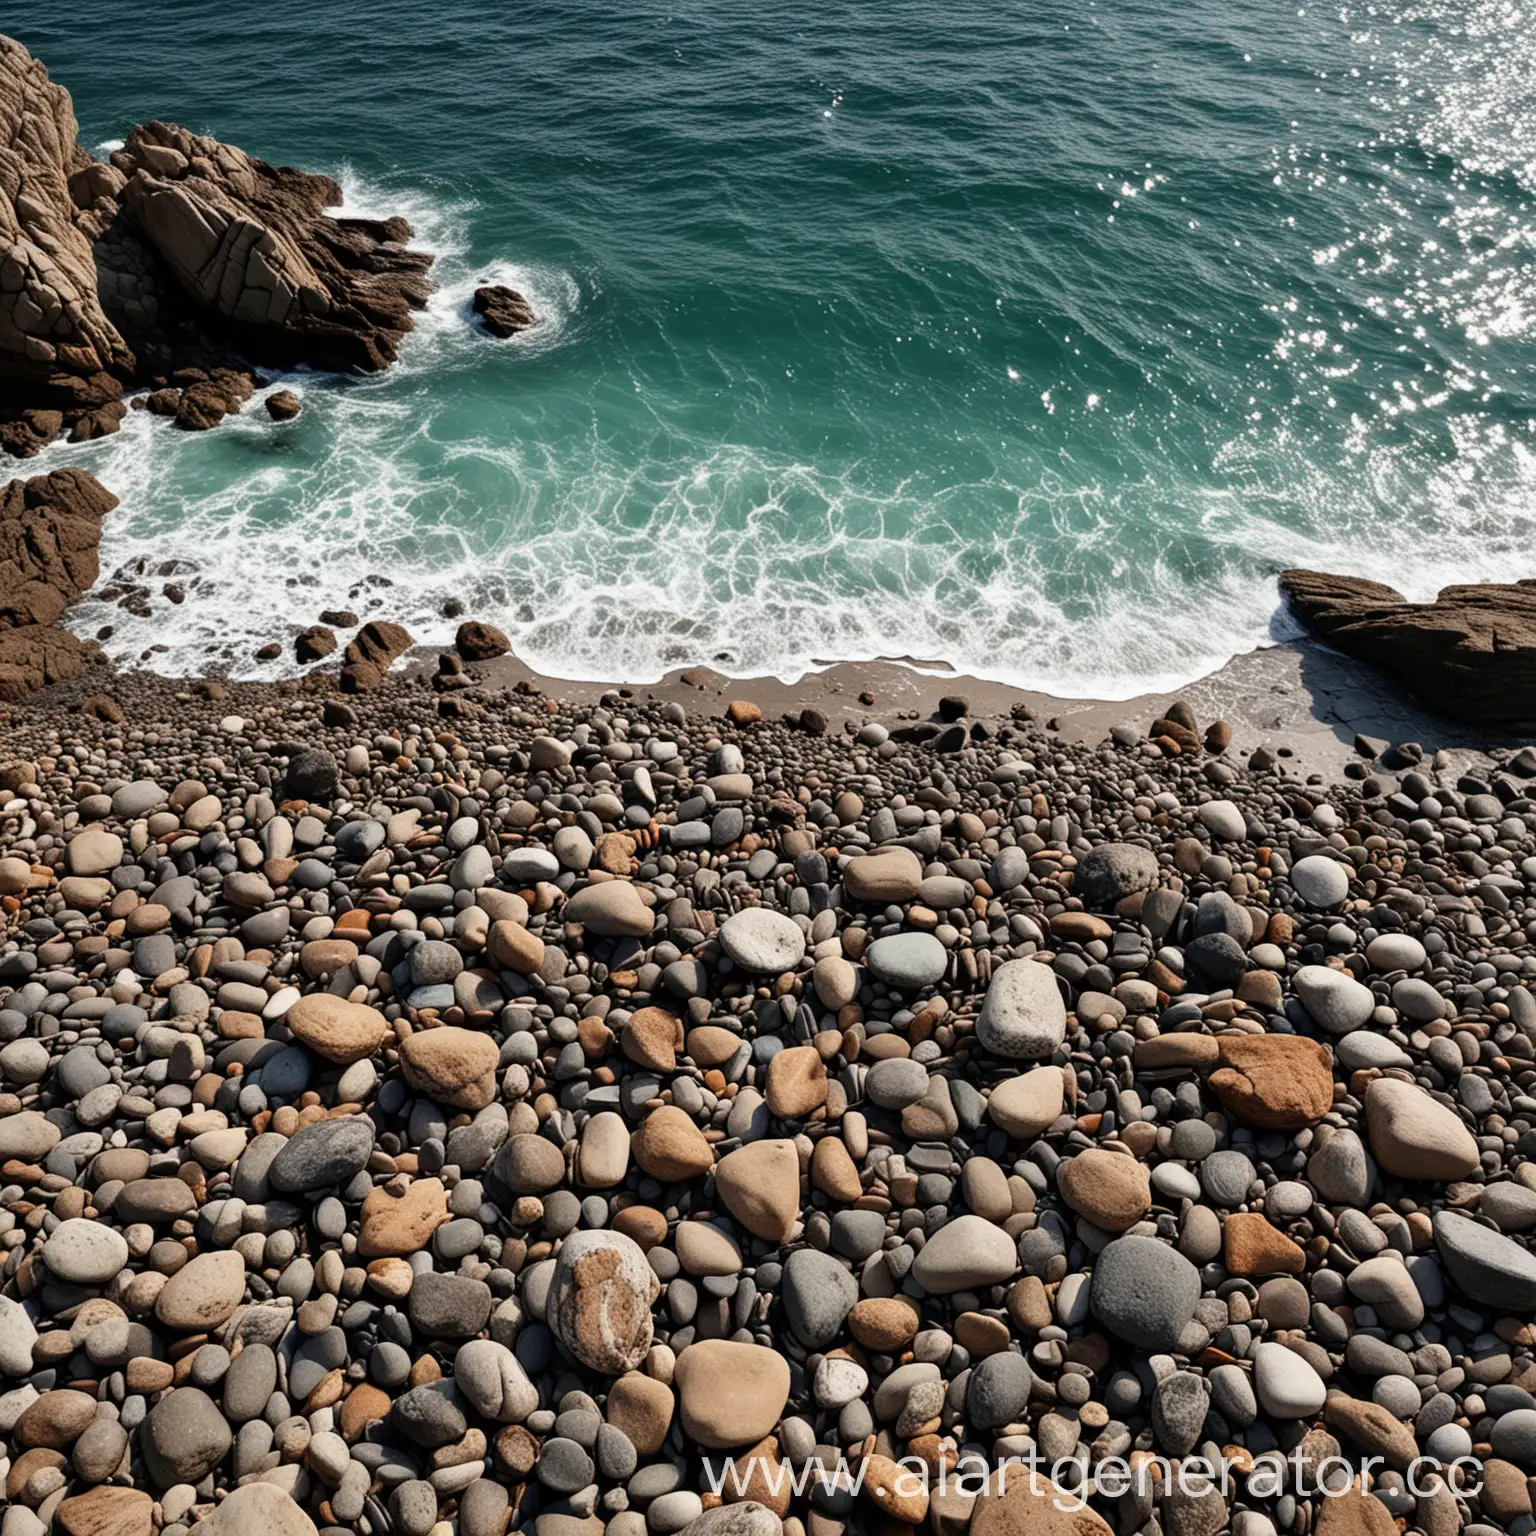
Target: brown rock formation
{"points": [[370, 654], [183, 261], [504, 310], [476, 641], [1471, 654], [252, 244], [62, 361], [50, 530]]}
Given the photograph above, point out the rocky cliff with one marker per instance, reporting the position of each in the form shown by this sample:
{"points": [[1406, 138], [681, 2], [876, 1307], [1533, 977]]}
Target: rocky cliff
{"points": [[179, 261]]}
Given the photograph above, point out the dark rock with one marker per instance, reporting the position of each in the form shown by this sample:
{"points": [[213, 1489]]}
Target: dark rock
{"points": [[504, 310], [313, 643], [370, 654], [283, 405], [479, 642], [311, 775], [1471, 654]]}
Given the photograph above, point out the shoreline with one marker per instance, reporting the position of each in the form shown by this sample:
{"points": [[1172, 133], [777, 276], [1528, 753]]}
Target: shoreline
{"points": [[1304, 701]]}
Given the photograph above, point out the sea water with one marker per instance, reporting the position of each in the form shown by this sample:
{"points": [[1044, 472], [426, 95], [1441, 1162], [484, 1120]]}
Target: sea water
{"points": [[1034, 338]]}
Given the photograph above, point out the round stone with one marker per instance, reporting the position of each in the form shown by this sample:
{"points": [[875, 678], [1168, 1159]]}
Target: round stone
{"points": [[1104, 876], [599, 1304], [203, 1293], [763, 941], [183, 1438], [1319, 881], [1224, 821], [1110, 1188], [1336, 1000], [340, 1031], [1144, 1292], [1395, 952], [85, 1252], [730, 1393], [452, 1066], [907, 961], [1286, 1385]]}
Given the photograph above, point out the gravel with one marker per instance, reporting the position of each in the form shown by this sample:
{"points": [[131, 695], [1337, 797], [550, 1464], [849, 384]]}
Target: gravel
{"points": [[396, 1118]]}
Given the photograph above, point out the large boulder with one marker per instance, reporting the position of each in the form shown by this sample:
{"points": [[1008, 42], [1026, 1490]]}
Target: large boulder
{"points": [[50, 531], [1471, 654], [252, 244]]}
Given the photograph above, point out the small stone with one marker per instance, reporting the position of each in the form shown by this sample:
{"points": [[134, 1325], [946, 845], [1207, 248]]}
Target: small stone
{"points": [[1026, 1104], [797, 1082], [908, 961], [1337, 1001], [759, 1184], [1276, 1082], [449, 1306], [1486, 1266], [452, 1066], [890, 875], [1321, 883], [85, 1252], [1111, 1189], [1415, 1137], [400, 1221], [93, 852], [612, 909], [494, 1383], [1144, 1292], [965, 1254], [641, 1408], [204, 1293], [318, 1156], [1109, 873], [183, 1438], [340, 1031], [670, 1147], [818, 1293]]}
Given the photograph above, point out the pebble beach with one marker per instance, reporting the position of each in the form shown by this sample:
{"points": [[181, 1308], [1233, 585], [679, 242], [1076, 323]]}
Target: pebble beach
{"points": [[452, 1109]]}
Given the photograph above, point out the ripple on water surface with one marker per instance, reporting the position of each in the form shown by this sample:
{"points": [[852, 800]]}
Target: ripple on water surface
{"points": [[1035, 343]]}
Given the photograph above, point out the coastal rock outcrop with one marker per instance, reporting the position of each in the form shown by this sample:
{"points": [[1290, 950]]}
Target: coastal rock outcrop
{"points": [[252, 244], [50, 531], [503, 310], [176, 267], [1471, 654], [62, 361]]}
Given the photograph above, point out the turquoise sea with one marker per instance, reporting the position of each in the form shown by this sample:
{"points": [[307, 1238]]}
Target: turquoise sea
{"points": [[1035, 338]]}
